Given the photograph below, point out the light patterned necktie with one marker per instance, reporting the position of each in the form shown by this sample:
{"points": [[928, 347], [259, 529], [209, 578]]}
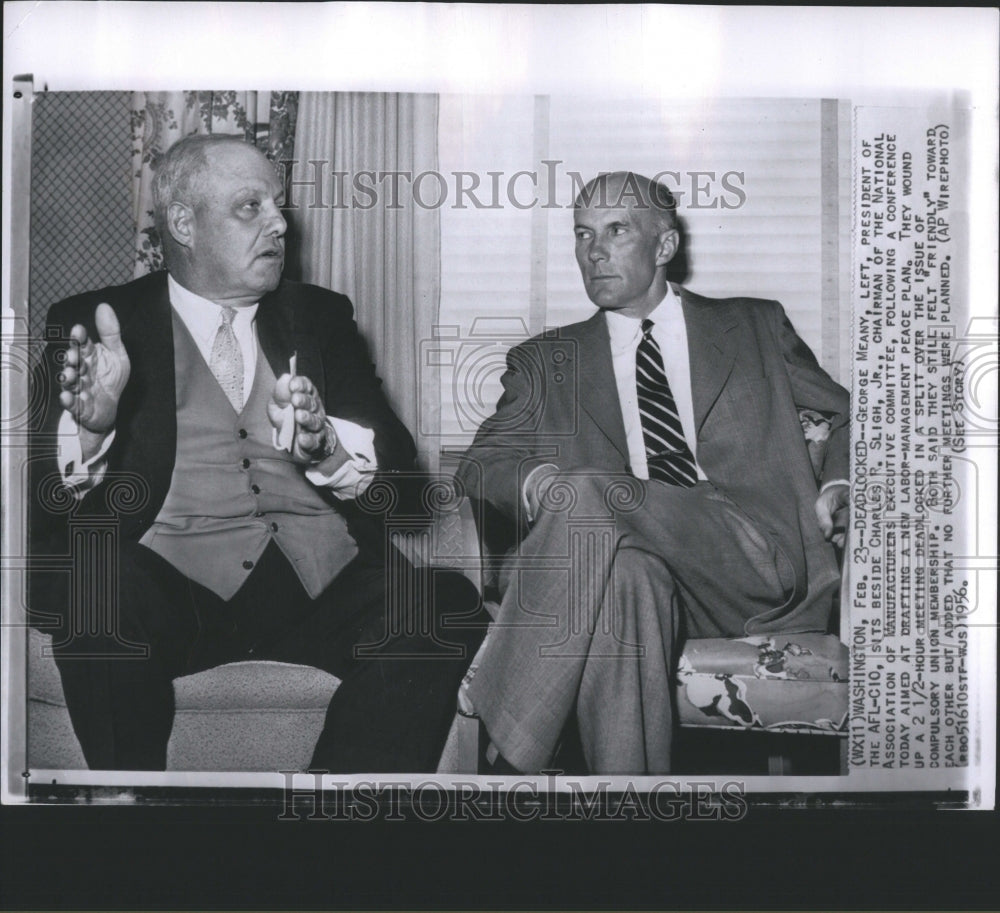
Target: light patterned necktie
{"points": [[667, 454], [227, 360]]}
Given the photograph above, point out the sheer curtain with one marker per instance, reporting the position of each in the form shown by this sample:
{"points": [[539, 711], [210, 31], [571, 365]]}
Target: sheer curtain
{"points": [[377, 245], [159, 119]]}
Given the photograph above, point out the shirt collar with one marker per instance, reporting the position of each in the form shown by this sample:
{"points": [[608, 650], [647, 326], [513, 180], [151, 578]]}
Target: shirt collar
{"points": [[624, 331], [201, 315]]}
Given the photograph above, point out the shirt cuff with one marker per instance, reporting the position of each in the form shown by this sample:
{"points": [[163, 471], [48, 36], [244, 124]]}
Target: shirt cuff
{"points": [[833, 482], [77, 473], [349, 470]]}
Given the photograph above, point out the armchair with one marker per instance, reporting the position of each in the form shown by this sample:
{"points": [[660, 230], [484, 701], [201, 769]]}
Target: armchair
{"points": [[253, 715], [793, 685]]}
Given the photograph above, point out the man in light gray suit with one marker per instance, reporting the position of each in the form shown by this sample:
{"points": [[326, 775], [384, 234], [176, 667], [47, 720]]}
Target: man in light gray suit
{"points": [[652, 463]]}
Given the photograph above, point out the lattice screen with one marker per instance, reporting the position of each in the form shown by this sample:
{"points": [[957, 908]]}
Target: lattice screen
{"points": [[81, 220]]}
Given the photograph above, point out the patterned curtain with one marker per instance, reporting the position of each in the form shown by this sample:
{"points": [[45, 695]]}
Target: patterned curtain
{"points": [[266, 119]]}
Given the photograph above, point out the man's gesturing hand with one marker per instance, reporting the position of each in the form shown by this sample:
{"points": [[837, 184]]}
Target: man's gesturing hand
{"points": [[95, 373], [831, 512], [314, 439]]}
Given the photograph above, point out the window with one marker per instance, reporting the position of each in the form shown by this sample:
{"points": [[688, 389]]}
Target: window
{"points": [[761, 188]]}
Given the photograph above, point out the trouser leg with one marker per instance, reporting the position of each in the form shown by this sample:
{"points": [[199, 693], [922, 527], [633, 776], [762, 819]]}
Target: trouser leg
{"points": [[391, 711], [623, 709], [117, 679], [391, 644], [400, 643], [397, 699], [723, 569]]}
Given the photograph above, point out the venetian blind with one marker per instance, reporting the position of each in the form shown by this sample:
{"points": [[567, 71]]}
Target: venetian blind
{"points": [[486, 256], [759, 161]]}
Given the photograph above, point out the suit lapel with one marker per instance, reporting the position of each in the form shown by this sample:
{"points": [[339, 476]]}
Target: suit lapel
{"points": [[281, 335], [274, 331], [149, 341], [598, 389], [712, 343]]}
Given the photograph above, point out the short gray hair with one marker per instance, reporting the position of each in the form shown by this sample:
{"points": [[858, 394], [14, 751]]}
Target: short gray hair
{"points": [[652, 194], [176, 174]]}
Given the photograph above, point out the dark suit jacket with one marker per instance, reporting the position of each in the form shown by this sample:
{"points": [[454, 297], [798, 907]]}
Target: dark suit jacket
{"points": [[315, 323], [750, 375]]}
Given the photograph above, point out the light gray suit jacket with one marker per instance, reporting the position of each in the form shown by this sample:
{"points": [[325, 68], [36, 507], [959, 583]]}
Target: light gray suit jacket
{"points": [[750, 376]]}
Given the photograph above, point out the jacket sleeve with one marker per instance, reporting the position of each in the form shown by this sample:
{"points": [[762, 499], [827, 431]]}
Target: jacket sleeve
{"points": [[509, 444], [49, 502], [813, 388], [354, 391]]}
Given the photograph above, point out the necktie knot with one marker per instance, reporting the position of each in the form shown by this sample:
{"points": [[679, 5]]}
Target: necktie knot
{"points": [[647, 328], [228, 315]]}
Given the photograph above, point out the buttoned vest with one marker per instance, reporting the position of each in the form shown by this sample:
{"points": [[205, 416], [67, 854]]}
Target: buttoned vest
{"points": [[232, 492]]}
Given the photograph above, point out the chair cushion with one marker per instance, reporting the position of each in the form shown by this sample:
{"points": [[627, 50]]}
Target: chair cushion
{"points": [[255, 685], [246, 716], [254, 715], [44, 683], [793, 682]]}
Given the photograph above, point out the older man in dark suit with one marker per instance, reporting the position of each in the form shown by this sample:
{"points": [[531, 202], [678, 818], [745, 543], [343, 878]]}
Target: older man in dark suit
{"points": [[246, 417], [653, 460]]}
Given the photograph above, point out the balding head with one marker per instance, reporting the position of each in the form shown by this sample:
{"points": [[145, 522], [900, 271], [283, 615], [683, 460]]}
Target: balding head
{"points": [[626, 187], [219, 203], [178, 175]]}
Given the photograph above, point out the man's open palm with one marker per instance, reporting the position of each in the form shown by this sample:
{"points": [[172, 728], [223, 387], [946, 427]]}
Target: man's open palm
{"points": [[95, 373]]}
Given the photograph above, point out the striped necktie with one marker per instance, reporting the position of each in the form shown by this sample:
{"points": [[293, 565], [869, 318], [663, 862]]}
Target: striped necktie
{"points": [[667, 454], [227, 360]]}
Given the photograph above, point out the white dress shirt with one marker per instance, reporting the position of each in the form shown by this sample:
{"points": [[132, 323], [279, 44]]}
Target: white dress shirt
{"points": [[202, 318]]}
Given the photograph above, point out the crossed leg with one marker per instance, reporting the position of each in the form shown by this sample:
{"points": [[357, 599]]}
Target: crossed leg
{"points": [[594, 603]]}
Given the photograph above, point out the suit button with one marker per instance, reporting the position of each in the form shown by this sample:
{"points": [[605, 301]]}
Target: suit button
{"points": [[274, 527], [242, 432], [255, 489], [245, 463], [247, 565]]}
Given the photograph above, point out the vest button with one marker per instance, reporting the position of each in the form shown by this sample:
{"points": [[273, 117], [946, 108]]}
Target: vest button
{"points": [[274, 527], [255, 489], [242, 432], [248, 565], [245, 463]]}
